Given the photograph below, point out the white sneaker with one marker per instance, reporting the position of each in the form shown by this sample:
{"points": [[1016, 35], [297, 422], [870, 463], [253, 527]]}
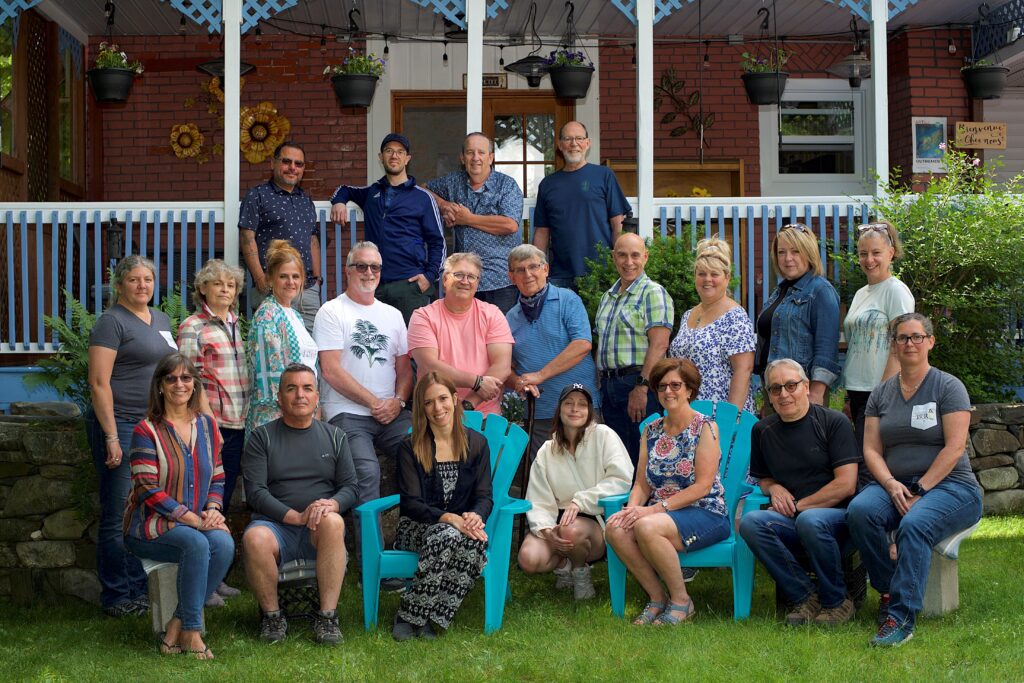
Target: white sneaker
{"points": [[563, 575], [582, 586]]}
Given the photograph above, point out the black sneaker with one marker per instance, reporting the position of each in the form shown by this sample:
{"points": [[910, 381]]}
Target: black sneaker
{"points": [[689, 574], [426, 632], [122, 609], [883, 608], [403, 630], [273, 627], [325, 628]]}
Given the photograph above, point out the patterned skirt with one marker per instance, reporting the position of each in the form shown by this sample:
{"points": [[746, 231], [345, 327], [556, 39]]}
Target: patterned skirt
{"points": [[449, 565]]}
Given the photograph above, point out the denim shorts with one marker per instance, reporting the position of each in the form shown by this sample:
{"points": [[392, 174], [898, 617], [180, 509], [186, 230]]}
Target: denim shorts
{"points": [[293, 542], [699, 528]]}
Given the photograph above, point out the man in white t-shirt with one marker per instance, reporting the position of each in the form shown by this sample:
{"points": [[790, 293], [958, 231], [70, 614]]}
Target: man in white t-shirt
{"points": [[365, 368]]}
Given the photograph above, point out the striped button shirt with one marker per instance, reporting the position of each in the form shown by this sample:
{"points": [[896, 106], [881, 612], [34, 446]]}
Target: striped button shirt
{"points": [[623, 319], [168, 480], [217, 348]]}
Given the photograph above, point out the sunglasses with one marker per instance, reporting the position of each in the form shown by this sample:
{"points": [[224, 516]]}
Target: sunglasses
{"points": [[790, 387], [363, 267], [175, 379], [800, 227]]}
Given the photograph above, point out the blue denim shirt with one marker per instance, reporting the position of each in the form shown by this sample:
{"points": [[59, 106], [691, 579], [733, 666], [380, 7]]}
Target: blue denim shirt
{"points": [[805, 327]]}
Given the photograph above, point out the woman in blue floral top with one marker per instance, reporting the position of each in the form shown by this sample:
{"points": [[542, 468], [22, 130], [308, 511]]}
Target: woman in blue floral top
{"points": [[679, 504]]}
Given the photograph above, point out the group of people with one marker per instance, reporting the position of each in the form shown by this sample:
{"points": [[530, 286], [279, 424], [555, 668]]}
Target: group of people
{"points": [[302, 404]]}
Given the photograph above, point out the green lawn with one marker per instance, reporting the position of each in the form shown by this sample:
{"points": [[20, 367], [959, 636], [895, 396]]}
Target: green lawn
{"points": [[547, 638]]}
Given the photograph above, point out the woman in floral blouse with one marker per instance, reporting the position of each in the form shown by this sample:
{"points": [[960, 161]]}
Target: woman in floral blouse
{"points": [[679, 503]]}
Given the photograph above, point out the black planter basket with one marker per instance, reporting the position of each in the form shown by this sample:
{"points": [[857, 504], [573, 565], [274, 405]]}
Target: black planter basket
{"points": [[765, 87], [985, 82], [354, 90], [571, 82], [111, 85]]}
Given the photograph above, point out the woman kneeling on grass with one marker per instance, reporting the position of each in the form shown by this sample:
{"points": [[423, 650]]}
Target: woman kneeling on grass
{"points": [[678, 505], [444, 478], [582, 463]]}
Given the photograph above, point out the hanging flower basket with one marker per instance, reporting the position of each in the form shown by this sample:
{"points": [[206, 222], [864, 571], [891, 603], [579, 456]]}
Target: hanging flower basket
{"points": [[111, 85], [571, 82], [985, 82], [354, 90], [765, 87]]}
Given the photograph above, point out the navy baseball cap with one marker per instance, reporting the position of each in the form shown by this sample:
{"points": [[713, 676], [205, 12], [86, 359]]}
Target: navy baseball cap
{"points": [[569, 388], [395, 137]]}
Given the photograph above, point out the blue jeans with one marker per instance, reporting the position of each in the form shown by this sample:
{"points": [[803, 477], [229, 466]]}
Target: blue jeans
{"points": [[503, 297], [203, 559], [614, 401], [231, 458], [820, 532], [951, 506], [120, 574], [365, 434]]}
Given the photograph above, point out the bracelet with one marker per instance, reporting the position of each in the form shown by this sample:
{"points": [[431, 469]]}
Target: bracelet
{"points": [[112, 438], [479, 381], [887, 481]]}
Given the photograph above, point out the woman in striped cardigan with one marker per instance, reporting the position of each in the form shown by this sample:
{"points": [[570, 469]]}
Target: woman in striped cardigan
{"points": [[174, 509]]}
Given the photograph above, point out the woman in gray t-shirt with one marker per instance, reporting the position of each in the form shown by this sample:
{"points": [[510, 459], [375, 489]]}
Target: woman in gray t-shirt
{"points": [[125, 345], [915, 436]]}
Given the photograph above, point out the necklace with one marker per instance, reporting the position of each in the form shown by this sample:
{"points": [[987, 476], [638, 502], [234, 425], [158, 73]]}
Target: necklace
{"points": [[702, 309], [905, 388]]}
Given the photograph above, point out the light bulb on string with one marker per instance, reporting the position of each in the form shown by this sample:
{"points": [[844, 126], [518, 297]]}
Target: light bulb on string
{"points": [[444, 57], [182, 26], [501, 55], [387, 50], [323, 39], [259, 35]]}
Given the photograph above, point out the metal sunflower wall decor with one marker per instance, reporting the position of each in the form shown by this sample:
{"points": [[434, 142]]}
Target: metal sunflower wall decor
{"points": [[263, 129]]}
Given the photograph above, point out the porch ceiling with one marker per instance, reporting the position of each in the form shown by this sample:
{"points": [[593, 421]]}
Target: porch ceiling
{"points": [[593, 17]]}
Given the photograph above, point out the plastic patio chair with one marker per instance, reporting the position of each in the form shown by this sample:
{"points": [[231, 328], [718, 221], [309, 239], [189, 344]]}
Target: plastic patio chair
{"points": [[507, 443], [733, 552]]}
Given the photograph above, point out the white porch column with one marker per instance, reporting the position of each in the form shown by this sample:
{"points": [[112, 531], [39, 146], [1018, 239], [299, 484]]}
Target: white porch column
{"points": [[475, 11], [645, 116], [880, 91], [232, 14]]}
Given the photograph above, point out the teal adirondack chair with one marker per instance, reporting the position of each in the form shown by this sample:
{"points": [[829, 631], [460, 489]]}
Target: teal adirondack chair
{"points": [[733, 552], [507, 443]]}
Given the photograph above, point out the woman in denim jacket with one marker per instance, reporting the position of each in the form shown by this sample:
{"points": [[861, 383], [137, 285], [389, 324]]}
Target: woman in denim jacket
{"points": [[800, 320]]}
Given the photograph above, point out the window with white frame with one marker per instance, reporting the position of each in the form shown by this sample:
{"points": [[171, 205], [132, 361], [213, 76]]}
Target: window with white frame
{"points": [[817, 142]]}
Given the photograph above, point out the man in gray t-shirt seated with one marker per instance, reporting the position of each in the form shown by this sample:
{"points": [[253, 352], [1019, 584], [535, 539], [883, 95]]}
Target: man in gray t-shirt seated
{"points": [[299, 481]]}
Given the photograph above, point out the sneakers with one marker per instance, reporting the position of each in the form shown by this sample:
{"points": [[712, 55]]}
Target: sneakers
{"points": [[689, 574], [891, 634], [215, 600], [403, 630], [563, 575], [226, 591], [325, 628], [883, 608], [127, 608], [834, 616], [582, 586], [273, 627], [805, 612]]}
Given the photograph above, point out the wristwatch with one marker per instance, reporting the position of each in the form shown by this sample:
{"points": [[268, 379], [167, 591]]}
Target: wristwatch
{"points": [[664, 505], [401, 402], [642, 381], [468, 405], [917, 490]]}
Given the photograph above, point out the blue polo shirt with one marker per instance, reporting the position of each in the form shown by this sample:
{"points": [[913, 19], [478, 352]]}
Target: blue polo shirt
{"points": [[276, 214], [498, 196], [562, 320]]}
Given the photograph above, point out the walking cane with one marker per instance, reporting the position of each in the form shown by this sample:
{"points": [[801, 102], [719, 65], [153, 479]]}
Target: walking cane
{"points": [[524, 478]]}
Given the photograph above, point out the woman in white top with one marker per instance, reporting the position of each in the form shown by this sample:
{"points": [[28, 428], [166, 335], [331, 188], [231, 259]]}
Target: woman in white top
{"points": [[869, 359], [582, 463], [277, 336]]}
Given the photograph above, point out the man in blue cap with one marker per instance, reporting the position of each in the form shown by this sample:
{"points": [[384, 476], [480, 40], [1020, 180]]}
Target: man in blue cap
{"points": [[403, 220]]}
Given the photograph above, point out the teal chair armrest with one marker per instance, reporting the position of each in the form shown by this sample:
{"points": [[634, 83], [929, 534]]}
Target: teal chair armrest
{"points": [[755, 500], [517, 506], [372, 507], [613, 504]]}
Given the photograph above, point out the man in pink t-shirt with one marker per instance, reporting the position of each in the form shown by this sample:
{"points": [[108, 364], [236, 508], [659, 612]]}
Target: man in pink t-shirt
{"points": [[463, 337]]}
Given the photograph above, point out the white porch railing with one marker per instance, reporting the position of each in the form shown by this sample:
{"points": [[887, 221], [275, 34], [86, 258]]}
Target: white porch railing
{"points": [[50, 247]]}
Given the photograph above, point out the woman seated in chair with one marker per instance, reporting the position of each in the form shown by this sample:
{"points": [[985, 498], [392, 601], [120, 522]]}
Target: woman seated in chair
{"points": [[582, 463], [678, 505], [444, 478], [174, 508], [915, 431]]}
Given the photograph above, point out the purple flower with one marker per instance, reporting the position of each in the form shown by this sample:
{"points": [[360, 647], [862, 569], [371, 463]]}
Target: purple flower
{"points": [[942, 146], [976, 161]]}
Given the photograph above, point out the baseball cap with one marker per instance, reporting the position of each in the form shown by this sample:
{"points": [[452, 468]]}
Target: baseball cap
{"points": [[569, 388], [395, 137]]}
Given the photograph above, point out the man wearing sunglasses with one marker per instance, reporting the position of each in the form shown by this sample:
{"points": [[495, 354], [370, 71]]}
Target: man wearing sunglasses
{"points": [[365, 367], [805, 458], [279, 209]]}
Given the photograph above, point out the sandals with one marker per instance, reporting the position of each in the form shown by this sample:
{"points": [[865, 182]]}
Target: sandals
{"points": [[649, 615], [201, 655], [165, 647], [666, 618]]}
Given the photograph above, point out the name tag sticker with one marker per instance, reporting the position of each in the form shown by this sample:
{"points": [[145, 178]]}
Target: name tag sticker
{"points": [[924, 416], [169, 339]]}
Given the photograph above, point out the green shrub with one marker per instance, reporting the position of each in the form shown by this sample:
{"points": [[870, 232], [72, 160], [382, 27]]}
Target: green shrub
{"points": [[670, 264], [964, 263]]}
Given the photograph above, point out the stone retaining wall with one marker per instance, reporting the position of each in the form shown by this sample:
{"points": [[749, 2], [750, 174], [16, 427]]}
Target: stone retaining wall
{"points": [[48, 499]]}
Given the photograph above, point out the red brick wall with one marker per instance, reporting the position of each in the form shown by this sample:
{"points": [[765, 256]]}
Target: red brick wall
{"points": [[129, 143]]}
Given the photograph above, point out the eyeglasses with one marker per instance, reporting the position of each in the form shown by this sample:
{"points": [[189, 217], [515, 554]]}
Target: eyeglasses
{"points": [[790, 387], [465, 277], [665, 386], [174, 379], [578, 139], [285, 161], [363, 267], [800, 227], [904, 339], [528, 268], [393, 152]]}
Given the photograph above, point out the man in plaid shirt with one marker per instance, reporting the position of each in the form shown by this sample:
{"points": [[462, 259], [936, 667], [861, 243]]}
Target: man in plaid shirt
{"points": [[634, 321]]}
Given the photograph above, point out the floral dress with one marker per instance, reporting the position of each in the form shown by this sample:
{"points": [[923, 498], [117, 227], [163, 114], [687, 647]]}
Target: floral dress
{"points": [[449, 563], [670, 466], [711, 346]]}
